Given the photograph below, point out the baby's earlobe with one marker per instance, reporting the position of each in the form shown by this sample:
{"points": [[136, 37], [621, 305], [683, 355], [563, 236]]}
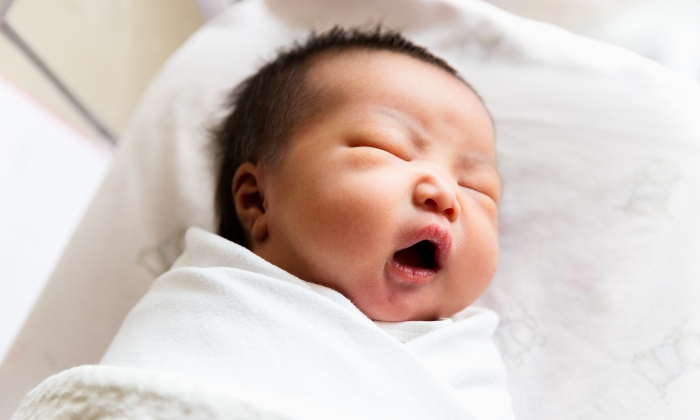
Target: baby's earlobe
{"points": [[259, 231]]}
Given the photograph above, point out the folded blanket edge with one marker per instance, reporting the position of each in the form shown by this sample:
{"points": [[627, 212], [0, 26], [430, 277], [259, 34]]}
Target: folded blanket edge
{"points": [[93, 391]]}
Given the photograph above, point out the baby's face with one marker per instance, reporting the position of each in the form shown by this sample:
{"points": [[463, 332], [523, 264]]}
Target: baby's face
{"points": [[389, 194]]}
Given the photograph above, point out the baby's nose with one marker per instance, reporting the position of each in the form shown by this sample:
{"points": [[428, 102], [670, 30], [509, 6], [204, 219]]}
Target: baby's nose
{"points": [[437, 195]]}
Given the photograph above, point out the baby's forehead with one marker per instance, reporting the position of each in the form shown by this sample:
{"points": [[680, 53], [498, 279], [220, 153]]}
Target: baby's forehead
{"points": [[336, 68], [398, 88], [357, 73]]}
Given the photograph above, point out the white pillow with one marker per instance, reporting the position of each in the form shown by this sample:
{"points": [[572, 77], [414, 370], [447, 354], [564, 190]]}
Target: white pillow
{"points": [[598, 281]]}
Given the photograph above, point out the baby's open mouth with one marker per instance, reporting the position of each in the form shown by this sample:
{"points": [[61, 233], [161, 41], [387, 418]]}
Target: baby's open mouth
{"points": [[424, 254], [418, 256]]}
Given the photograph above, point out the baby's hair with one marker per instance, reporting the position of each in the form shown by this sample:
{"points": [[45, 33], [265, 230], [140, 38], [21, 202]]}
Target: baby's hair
{"points": [[269, 105]]}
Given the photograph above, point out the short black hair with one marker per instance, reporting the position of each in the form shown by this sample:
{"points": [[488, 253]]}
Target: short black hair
{"points": [[267, 107]]}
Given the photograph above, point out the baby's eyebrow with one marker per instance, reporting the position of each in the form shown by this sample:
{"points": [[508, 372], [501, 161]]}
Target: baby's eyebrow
{"points": [[414, 130], [469, 159]]}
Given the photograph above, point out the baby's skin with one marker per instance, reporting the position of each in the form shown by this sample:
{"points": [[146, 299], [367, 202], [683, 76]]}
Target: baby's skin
{"points": [[387, 194]]}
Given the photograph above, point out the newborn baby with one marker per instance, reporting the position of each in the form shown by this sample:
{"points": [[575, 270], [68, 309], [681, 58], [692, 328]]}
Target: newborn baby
{"points": [[365, 164], [359, 172]]}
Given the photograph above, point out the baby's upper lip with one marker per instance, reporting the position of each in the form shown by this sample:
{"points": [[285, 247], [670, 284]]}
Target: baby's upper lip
{"points": [[438, 235]]}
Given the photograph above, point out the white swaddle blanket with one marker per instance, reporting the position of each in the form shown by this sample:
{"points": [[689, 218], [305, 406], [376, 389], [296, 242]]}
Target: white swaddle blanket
{"points": [[227, 318]]}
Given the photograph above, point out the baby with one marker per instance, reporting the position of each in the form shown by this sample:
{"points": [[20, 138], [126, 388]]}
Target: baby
{"points": [[360, 171], [361, 162]]}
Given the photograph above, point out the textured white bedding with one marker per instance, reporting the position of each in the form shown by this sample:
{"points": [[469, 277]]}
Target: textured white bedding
{"points": [[226, 332], [599, 279]]}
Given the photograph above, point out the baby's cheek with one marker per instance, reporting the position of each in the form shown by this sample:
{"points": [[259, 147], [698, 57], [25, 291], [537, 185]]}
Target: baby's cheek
{"points": [[484, 205], [354, 216], [482, 257]]}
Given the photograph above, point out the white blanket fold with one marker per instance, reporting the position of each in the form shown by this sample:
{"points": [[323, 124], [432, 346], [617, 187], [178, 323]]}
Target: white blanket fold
{"points": [[227, 318], [107, 392]]}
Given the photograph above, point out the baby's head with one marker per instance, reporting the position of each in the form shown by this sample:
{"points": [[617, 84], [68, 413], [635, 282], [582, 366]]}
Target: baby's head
{"points": [[363, 163]]}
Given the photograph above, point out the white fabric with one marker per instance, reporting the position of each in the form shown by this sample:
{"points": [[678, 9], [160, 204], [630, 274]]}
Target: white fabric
{"points": [[410, 330], [598, 282], [107, 392], [232, 320], [228, 318]]}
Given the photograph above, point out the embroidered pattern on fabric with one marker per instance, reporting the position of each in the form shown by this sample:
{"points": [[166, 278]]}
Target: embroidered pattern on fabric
{"points": [[159, 258], [665, 362], [653, 188], [515, 337]]}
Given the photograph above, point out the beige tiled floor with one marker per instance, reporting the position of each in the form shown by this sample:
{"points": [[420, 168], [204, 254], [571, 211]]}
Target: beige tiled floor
{"points": [[106, 51]]}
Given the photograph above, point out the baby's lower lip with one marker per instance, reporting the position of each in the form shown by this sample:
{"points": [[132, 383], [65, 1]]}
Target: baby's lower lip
{"points": [[413, 275]]}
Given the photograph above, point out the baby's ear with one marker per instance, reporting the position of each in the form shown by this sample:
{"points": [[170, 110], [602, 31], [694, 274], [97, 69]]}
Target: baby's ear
{"points": [[249, 198]]}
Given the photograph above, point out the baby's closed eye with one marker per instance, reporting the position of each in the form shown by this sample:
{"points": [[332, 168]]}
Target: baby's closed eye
{"points": [[485, 186], [364, 156], [385, 143]]}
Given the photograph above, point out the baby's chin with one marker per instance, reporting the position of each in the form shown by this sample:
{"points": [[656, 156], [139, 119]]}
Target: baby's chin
{"points": [[392, 315], [412, 308]]}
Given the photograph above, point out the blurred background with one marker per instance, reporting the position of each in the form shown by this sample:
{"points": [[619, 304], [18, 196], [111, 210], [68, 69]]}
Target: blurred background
{"points": [[72, 71]]}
